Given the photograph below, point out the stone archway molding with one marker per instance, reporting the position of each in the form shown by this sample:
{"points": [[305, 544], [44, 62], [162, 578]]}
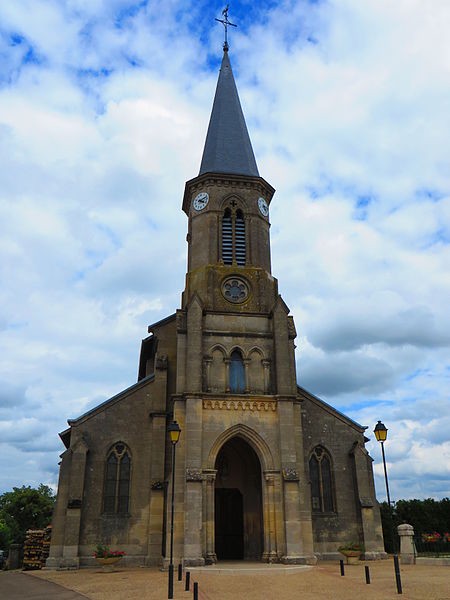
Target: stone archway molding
{"points": [[250, 436], [270, 474]]}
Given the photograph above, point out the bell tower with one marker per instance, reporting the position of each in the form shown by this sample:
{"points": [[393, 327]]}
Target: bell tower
{"points": [[229, 266], [236, 390], [228, 207]]}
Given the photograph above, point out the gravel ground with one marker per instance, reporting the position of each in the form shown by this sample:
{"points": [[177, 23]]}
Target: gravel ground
{"points": [[256, 582]]}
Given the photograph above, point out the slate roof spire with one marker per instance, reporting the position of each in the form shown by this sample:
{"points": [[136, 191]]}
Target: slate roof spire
{"points": [[228, 148]]}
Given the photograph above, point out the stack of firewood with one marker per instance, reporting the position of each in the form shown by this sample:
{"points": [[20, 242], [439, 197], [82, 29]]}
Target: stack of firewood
{"points": [[32, 549], [36, 548]]}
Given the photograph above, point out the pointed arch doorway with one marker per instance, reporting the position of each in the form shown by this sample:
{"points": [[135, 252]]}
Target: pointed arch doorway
{"points": [[238, 502]]}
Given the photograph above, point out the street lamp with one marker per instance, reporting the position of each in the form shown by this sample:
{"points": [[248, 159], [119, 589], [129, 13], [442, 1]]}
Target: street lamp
{"points": [[174, 433], [380, 432]]}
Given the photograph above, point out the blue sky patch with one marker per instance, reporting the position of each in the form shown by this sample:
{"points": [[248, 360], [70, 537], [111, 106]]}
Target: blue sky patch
{"points": [[128, 12]]}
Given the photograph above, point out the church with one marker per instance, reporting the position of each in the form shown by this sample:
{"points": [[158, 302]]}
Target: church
{"points": [[265, 470]]}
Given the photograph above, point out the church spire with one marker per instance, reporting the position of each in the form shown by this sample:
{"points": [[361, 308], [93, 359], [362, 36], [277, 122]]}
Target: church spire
{"points": [[228, 148]]}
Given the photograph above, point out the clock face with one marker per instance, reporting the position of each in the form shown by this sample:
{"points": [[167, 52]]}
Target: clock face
{"points": [[200, 201], [263, 207]]}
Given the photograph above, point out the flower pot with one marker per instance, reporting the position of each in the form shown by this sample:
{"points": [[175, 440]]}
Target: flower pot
{"points": [[352, 556], [107, 564]]}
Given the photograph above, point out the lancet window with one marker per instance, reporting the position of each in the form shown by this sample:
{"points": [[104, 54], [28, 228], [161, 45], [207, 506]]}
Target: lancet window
{"points": [[237, 373], [234, 245], [322, 492], [116, 495]]}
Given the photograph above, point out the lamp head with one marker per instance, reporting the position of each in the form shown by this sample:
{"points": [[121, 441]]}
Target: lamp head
{"points": [[174, 432], [380, 432]]}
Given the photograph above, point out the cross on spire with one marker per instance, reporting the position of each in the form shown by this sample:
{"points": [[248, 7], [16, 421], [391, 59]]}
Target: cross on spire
{"points": [[225, 22]]}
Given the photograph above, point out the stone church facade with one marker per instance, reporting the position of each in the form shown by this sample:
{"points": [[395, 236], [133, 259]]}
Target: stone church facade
{"points": [[265, 470]]}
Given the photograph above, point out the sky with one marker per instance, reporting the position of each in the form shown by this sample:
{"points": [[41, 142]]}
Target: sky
{"points": [[104, 107]]}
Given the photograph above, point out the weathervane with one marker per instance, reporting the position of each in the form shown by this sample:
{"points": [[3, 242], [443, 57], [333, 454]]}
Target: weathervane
{"points": [[225, 22]]}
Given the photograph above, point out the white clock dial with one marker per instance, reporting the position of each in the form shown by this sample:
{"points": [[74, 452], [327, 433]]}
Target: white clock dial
{"points": [[200, 201], [263, 207]]}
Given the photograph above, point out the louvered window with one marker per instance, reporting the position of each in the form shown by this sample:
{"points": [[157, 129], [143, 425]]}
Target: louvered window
{"points": [[227, 238], [233, 238], [239, 239], [117, 480]]}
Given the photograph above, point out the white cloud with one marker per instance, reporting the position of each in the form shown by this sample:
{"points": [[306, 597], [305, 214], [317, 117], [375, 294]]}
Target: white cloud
{"points": [[104, 109]]}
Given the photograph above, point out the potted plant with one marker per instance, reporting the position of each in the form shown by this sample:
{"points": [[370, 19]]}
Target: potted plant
{"points": [[106, 557], [352, 552]]}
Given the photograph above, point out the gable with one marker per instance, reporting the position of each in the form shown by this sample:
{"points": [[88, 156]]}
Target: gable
{"points": [[330, 410]]}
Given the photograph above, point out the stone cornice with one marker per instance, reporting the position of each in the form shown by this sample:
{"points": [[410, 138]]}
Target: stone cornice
{"points": [[241, 405]]}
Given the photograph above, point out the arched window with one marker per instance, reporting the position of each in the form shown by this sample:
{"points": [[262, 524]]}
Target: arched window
{"points": [[234, 248], [237, 373], [322, 495], [116, 495]]}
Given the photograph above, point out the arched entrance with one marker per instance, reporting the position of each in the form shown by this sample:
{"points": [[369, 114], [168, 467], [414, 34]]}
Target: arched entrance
{"points": [[238, 502]]}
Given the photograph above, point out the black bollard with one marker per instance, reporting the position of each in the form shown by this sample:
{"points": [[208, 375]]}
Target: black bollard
{"points": [[341, 562], [195, 590], [367, 574], [188, 581], [398, 579], [170, 589], [180, 571]]}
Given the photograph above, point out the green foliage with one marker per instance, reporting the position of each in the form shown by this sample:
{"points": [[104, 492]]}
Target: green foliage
{"points": [[352, 547], [424, 515], [22, 509]]}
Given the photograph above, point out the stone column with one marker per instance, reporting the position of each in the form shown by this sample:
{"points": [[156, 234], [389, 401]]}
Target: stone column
{"points": [[266, 373], [207, 360], [270, 553], [210, 481], [407, 547], [227, 374], [246, 362]]}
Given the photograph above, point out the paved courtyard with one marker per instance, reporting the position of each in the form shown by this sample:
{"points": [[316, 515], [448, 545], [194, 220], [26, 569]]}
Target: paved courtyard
{"points": [[251, 581]]}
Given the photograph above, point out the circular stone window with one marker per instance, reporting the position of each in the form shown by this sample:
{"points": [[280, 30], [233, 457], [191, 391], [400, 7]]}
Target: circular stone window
{"points": [[235, 290]]}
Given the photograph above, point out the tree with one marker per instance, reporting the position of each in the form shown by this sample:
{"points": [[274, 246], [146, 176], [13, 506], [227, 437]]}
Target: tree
{"points": [[22, 509], [425, 516]]}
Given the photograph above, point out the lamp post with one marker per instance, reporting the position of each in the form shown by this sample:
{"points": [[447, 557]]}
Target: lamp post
{"points": [[380, 432], [174, 432]]}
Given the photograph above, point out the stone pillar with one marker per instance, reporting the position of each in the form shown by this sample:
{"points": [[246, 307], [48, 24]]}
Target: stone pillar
{"points": [[193, 551], [407, 547], [227, 374], [14, 561], [210, 482], [207, 360], [246, 362], [266, 372], [270, 553]]}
